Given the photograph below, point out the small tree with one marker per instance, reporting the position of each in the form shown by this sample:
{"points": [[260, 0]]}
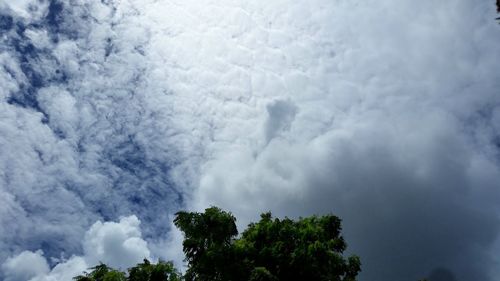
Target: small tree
{"points": [[208, 239], [101, 272], [146, 271]]}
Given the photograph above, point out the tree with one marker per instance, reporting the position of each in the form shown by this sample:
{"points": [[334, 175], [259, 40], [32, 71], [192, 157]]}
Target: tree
{"points": [[498, 8], [272, 249], [307, 249], [101, 272], [208, 244], [146, 271]]}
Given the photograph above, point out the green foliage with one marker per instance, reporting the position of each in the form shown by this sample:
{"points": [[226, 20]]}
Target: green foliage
{"points": [[261, 274], [114, 275], [208, 244], [146, 271], [307, 249], [498, 9], [270, 250], [101, 272]]}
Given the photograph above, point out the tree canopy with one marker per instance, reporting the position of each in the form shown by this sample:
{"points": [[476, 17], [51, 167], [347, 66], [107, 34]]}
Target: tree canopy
{"points": [[271, 249], [145, 271], [209, 244], [307, 249]]}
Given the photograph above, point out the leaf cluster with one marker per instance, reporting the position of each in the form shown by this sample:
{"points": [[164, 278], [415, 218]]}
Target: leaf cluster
{"points": [[145, 271]]}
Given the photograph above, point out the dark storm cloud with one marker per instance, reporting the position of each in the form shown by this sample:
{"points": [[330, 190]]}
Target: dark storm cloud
{"points": [[414, 219], [401, 144]]}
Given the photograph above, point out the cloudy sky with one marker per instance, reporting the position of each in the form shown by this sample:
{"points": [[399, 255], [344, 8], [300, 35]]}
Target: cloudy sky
{"points": [[115, 114]]}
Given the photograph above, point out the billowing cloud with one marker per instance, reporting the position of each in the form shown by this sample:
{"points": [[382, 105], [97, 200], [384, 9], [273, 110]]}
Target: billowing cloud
{"points": [[25, 266], [117, 244], [383, 112]]}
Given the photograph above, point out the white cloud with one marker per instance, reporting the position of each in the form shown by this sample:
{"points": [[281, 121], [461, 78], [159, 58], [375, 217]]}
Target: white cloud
{"points": [[64, 271], [25, 266], [118, 245], [26, 8]]}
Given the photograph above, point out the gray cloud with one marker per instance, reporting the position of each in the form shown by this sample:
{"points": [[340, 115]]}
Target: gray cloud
{"points": [[25, 266], [383, 112], [280, 117]]}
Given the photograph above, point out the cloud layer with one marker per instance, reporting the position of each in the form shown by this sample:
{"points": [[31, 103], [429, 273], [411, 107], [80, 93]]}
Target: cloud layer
{"points": [[386, 113]]}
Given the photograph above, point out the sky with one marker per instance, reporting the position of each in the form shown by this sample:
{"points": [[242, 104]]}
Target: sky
{"points": [[115, 114]]}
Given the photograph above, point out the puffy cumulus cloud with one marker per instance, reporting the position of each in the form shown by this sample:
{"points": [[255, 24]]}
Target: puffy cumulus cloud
{"points": [[383, 112], [25, 266], [64, 270], [117, 244]]}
